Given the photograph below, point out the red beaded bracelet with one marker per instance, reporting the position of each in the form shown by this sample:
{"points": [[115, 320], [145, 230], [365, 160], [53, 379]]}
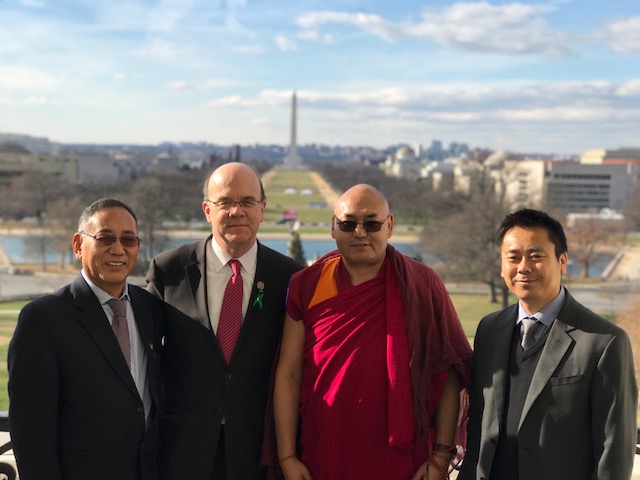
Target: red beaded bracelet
{"points": [[438, 469], [288, 457]]}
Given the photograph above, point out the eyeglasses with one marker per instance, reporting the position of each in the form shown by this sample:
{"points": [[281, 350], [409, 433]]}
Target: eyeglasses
{"points": [[108, 240], [370, 226], [229, 204]]}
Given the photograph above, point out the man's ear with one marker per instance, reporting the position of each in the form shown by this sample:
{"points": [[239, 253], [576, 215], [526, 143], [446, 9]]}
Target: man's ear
{"points": [[76, 245]]}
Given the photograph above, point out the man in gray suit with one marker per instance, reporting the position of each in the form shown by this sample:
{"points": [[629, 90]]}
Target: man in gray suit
{"points": [[217, 389], [559, 403]]}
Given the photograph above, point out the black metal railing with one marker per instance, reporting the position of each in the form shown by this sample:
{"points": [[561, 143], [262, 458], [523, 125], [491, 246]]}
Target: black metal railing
{"points": [[7, 471]]}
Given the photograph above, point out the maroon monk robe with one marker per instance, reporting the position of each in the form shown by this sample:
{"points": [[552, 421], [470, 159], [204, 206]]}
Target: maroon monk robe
{"points": [[356, 407]]}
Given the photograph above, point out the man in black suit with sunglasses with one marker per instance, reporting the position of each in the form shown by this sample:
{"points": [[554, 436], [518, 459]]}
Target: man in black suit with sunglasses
{"points": [[84, 364]]}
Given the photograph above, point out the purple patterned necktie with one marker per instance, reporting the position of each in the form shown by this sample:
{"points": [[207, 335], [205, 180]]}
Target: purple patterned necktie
{"points": [[120, 327], [529, 326]]}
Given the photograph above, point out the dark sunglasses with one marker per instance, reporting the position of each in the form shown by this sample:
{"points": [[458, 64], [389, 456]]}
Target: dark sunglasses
{"points": [[369, 226], [108, 240]]}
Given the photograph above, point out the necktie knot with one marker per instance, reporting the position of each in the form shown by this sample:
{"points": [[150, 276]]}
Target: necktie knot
{"points": [[118, 307], [529, 326], [235, 267]]}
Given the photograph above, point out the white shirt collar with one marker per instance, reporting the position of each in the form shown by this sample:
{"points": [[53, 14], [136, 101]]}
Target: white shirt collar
{"points": [[103, 296], [220, 258]]}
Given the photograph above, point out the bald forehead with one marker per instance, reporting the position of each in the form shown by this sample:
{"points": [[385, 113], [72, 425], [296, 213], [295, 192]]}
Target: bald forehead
{"points": [[362, 199], [233, 174]]}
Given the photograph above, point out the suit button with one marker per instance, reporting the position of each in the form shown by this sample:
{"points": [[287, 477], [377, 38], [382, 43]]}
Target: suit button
{"points": [[228, 376], [140, 409], [493, 443]]}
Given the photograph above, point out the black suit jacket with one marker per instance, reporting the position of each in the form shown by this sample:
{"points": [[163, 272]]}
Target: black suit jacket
{"points": [[201, 388], [579, 417], [75, 412]]}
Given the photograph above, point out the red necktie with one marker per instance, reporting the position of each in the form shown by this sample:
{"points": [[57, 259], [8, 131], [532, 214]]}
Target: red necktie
{"points": [[120, 327], [230, 321]]}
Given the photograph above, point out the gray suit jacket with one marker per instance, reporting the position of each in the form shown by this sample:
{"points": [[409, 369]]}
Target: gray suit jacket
{"points": [[579, 417], [200, 387]]}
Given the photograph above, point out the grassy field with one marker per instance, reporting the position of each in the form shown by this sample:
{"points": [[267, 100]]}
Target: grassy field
{"points": [[278, 200]]}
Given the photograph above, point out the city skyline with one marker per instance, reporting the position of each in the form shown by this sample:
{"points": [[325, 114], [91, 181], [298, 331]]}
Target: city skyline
{"points": [[551, 77]]}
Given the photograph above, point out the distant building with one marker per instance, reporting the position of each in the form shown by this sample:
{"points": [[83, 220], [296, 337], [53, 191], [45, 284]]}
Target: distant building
{"points": [[576, 187], [403, 164], [16, 160], [32, 144]]}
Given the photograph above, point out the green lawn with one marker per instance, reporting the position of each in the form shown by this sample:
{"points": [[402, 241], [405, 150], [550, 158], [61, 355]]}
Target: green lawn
{"points": [[278, 201], [8, 319]]}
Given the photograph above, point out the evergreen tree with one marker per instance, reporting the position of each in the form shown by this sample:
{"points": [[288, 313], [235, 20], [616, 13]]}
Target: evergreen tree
{"points": [[295, 250]]}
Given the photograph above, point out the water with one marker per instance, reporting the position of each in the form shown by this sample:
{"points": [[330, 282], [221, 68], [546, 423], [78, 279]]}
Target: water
{"points": [[27, 250]]}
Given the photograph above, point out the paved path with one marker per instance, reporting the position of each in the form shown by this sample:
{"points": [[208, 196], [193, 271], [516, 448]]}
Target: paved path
{"points": [[330, 195], [628, 266], [5, 261]]}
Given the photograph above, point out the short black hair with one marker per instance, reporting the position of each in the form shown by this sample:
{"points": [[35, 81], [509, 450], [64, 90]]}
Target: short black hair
{"points": [[529, 218], [99, 205]]}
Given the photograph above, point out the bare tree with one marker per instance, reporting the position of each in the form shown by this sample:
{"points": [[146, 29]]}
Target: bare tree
{"points": [[61, 223], [464, 242], [151, 201], [631, 211], [586, 236], [33, 193]]}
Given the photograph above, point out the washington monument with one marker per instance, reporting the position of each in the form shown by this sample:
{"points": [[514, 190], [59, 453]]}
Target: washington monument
{"points": [[292, 159]]}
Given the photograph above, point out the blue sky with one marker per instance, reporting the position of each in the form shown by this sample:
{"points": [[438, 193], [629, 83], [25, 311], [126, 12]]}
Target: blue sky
{"points": [[560, 76]]}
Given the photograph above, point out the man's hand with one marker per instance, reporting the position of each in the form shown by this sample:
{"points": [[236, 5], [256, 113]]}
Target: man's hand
{"points": [[434, 474], [294, 469]]}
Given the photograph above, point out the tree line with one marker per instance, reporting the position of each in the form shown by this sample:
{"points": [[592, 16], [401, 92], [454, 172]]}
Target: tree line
{"points": [[457, 230]]}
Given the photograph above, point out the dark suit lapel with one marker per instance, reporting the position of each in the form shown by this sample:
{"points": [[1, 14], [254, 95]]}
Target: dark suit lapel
{"points": [[196, 274], [502, 349], [92, 317], [558, 343], [143, 322], [255, 306]]}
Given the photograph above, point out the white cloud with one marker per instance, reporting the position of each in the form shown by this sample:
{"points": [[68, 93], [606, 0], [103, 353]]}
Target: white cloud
{"points": [[513, 28], [168, 14], [119, 76], [571, 102], [285, 44], [315, 36], [260, 122], [36, 100], [25, 79], [630, 88], [156, 50], [178, 86], [623, 36], [253, 49], [369, 22], [32, 3]]}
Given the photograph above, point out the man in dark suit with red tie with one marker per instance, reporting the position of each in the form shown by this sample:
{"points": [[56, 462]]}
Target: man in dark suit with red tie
{"points": [[84, 379], [218, 359]]}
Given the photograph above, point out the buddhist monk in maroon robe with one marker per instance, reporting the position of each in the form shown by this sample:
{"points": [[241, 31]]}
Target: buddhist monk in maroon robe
{"points": [[374, 365]]}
